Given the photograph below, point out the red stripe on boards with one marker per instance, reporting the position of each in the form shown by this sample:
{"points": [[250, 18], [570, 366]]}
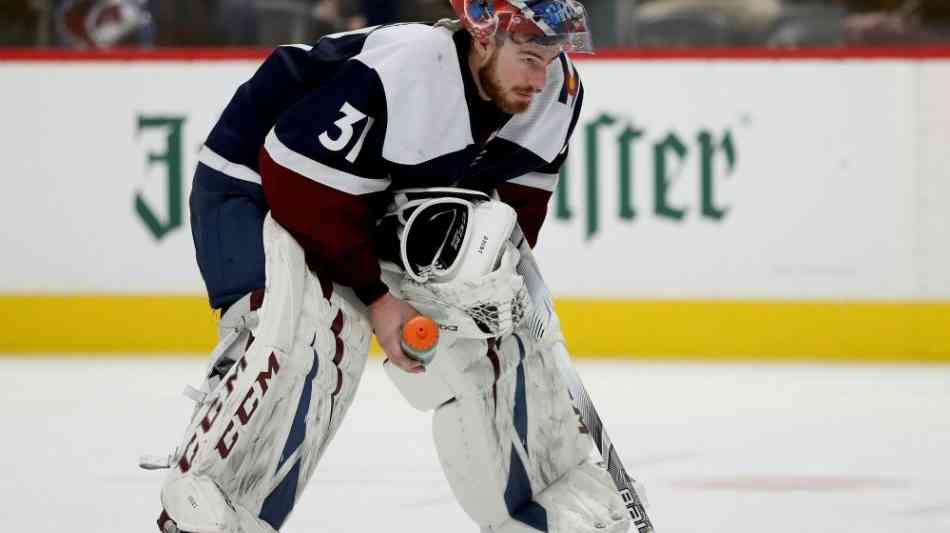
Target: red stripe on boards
{"points": [[916, 53]]}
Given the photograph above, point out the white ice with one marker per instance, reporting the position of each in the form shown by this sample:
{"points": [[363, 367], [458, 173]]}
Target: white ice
{"points": [[721, 448]]}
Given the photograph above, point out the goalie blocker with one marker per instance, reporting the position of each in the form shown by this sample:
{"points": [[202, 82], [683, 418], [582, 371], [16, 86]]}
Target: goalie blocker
{"points": [[509, 440]]}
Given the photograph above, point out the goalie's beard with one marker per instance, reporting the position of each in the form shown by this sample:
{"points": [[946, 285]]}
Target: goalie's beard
{"points": [[492, 85]]}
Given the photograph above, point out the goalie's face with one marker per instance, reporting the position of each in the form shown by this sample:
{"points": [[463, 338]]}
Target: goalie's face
{"points": [[515, 70]]}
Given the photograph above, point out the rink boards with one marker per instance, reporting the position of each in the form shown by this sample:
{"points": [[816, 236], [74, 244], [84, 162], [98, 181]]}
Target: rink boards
{"points": [[712, 206]]}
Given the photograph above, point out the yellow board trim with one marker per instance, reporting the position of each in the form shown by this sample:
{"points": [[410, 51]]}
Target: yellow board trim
{"points": [[760, 329], [880, 331]]}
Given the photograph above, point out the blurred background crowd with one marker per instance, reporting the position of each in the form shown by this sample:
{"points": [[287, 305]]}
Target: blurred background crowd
{"points": [[616, 23]]}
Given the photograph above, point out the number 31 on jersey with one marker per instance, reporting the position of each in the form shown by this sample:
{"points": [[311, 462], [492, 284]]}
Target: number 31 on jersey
{"points": [[351, 117]]}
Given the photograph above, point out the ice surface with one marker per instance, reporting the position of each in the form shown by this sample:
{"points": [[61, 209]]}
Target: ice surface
{"points": [[737, 448]]}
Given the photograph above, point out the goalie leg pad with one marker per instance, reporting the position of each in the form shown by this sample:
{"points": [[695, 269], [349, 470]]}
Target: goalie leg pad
{"points": [[514, 450], [260, 434]]}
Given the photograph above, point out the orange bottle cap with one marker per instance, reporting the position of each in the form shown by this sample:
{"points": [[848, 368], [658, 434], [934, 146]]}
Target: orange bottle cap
{"points": [[420, 333]]}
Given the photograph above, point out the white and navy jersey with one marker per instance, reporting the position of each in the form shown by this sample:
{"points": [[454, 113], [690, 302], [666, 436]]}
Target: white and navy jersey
{"points": [[329, 129]]}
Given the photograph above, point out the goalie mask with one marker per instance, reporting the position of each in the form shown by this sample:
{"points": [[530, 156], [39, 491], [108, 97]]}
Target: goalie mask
{"points": [[562, 23]]}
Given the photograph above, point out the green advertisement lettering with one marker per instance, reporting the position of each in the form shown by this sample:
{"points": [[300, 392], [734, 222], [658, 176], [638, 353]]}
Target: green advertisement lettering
{"points": [[674, 159], [708, 179], [170, 157], [663, 177]]}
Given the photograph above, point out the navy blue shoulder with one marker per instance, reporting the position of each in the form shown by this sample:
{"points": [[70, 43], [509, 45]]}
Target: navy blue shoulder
{"points": [[288, 74]]}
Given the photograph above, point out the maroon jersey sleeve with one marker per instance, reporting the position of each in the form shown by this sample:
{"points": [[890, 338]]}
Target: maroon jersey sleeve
{"points": [[529, 196], [333, 227], [322, 171], [531, 205]]}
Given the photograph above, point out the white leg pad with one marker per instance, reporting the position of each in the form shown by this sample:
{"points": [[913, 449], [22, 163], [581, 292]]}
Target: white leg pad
{"points": [[513, 448], [258, 436]]}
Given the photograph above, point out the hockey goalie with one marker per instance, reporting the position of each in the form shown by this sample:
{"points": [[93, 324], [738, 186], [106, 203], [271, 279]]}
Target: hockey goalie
{"points": [[511, 444], [347, 187]]}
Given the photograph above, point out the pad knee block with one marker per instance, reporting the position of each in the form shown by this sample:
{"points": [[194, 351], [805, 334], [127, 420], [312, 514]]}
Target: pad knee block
{"points": [[460, 367]]}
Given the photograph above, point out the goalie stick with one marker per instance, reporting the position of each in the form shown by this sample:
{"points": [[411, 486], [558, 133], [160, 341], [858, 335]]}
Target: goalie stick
{"points": [[541, 318]]}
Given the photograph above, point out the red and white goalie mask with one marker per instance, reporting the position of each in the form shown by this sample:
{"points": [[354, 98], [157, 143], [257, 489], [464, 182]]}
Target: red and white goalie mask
{"points": [[562, 23]]}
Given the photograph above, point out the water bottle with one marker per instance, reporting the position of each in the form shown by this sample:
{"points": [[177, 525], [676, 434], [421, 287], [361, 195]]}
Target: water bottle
{"points": [[420, 335]]}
